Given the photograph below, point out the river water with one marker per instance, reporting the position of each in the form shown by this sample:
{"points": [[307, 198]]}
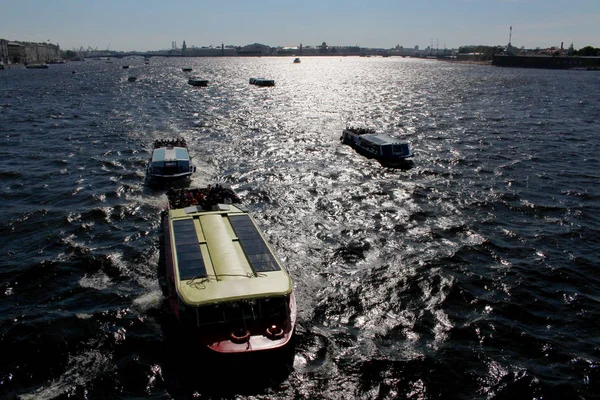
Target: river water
{"points": [[471, 275]]}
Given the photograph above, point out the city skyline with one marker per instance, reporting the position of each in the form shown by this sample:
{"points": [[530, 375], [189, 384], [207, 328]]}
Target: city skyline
{"points": [[155, 25]]}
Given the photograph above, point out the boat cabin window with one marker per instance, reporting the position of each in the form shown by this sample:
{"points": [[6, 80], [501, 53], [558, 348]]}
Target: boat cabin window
{"points": [[386, 150], [171, 167], [240, 310], [372, 147], [272, 307], [253, 310], [401, 148], [210, 315]]}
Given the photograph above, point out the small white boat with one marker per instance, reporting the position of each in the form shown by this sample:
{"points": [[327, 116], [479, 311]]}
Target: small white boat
{"points": [[170, 160]]}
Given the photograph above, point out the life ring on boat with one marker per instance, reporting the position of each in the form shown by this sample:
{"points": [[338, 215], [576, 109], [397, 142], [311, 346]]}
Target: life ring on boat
{"points": [[274, 332], [240, 336]]}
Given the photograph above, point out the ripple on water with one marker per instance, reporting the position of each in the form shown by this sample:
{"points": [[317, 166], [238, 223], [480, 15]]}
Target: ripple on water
{"points": [[470, 273]]}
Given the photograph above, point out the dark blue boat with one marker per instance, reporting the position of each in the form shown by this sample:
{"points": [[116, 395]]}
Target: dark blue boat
{"points": [[389, 151], [262, 82]]}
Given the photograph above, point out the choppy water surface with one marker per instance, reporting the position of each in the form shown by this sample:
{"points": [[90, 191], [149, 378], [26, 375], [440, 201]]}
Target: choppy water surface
{"points": [[472, 275]]}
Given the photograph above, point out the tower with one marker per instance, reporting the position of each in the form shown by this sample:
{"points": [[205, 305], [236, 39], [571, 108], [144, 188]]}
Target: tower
{"points": [[509, 49]]}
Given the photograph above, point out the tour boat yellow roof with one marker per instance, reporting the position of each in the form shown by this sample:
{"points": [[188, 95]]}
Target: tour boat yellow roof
{"points": [[221, 255]]}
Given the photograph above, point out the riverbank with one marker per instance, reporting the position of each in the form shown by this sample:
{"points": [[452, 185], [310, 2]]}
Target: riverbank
{"points": [[548, 62], [454, 61]]}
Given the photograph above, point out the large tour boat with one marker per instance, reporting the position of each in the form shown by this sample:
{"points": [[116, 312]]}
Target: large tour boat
{"points": [[389, 151], [224, 282], [170, 160]]}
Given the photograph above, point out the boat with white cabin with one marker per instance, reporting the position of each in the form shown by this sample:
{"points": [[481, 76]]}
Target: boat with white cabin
{"points": [[170, 160], [388, 150]]}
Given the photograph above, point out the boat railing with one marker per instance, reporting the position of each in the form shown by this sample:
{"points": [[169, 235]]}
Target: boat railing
{"points": [[360, 130], [206, 197], [178, 142]]}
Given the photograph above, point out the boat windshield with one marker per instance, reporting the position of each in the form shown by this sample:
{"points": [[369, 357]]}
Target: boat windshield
{"points": [[230, 312], [401, 149]]}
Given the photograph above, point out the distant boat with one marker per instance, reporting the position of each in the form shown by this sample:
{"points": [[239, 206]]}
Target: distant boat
{"points": [[296, 61], [186, 69], [125, 66], [196, 81], [389, 151], [36, 66], [262, 82], [132, 78]]}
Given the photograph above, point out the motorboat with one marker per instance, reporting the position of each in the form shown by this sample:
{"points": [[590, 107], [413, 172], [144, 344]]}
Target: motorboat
{"points": [[36, 66], [262, 82], [197, 81], [170, 160], [296, 60], [224, 283], [388, 150]]}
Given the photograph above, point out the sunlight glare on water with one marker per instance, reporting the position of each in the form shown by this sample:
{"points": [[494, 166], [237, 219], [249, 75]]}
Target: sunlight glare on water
{"points": [[469, 275]]}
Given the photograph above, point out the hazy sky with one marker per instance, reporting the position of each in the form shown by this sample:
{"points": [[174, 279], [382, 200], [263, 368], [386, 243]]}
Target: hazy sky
{"points": [[154, 24]]}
